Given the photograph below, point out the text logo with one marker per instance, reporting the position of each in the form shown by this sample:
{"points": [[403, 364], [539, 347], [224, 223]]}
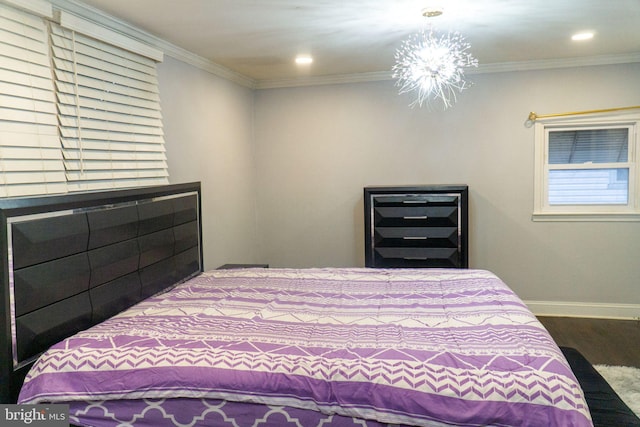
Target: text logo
{"points": [[34, 415]]}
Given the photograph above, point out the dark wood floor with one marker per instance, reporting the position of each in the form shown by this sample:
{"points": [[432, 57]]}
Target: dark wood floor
{"points": [[601, 341]]}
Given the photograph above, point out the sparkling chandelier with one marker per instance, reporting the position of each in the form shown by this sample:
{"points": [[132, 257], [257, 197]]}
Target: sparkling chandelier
{"points": [[432, 66]]}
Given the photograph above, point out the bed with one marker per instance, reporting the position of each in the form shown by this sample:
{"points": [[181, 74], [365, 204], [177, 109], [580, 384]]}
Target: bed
{"points": [[71, 261], [308, 347]]}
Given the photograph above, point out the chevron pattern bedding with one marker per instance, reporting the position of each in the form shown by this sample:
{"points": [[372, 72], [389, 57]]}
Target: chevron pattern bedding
{"points": [[317, 347]]}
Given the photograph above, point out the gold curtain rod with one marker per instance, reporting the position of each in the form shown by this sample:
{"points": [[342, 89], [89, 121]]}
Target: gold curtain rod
{"points": [[533, 116]]}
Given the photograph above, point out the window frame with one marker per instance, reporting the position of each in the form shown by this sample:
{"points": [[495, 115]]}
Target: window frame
{"points": [[543, 211]]}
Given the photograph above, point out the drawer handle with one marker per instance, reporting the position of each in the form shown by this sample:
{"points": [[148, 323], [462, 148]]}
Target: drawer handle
{"points": [[416, 258], [417, 202], [415, 217], [414, 237]]}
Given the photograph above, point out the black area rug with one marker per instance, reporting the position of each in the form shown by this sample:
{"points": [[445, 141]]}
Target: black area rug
{"points": [[607, 409]]}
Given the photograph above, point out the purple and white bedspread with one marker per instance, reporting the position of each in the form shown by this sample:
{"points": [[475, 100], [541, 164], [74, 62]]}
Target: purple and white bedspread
{"points": [[317, 347]]}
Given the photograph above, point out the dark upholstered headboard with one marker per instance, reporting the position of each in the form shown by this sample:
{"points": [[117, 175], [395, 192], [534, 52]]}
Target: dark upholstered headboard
{"points": [[71, 261]]}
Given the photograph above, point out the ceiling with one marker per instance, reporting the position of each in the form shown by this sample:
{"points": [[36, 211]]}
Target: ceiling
{"points": [[259, 39]]}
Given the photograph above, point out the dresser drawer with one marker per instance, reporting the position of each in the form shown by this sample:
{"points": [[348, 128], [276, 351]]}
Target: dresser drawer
{"points": [[412, 216], [416, 200], [417, 236], [417, 257]]}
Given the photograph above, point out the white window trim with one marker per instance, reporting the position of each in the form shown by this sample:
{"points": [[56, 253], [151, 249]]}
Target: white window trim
{"points": [[544, 212]]}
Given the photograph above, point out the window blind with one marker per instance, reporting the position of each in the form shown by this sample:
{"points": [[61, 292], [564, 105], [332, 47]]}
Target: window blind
{"points": [[30, 156], [600, 182], [593, 145], [109, 114]]}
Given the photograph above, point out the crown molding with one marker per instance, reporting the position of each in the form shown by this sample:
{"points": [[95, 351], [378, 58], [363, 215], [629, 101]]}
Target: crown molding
{"points": [[101, 18], [547, 64], [90, 13], [324, 80], [206, 65], [503, 67]]}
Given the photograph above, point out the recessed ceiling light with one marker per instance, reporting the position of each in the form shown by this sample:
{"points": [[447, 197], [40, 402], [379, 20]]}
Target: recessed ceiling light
{"points": [[304, 59], [582, 36]]}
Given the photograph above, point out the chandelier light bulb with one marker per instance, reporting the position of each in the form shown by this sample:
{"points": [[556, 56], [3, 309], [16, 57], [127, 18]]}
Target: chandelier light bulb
{"points": [[433, 67]]}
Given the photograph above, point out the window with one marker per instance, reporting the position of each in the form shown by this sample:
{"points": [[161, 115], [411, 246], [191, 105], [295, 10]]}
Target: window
{"points": [[79, 105], [586, 168], [108, 112], [30, 156]]}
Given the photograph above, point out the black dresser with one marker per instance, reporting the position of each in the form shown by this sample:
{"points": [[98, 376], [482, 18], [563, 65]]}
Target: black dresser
{"points": [[415, 227]]}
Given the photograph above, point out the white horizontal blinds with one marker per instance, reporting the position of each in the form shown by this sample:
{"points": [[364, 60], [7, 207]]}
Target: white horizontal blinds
{"points": [[589, 145], [589, 166], [30, 157], [109, 114]]}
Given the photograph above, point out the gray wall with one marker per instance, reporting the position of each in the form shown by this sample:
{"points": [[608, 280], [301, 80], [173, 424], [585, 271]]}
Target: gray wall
{"points": [[283, 170], [316, 148], [209, 138]]}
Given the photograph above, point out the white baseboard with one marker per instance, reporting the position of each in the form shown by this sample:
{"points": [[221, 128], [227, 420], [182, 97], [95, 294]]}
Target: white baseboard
{"points": [[585, 309]]}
